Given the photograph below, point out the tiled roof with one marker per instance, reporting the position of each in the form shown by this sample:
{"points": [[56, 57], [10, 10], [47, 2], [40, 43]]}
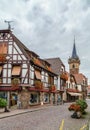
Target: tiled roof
{"points": [[79, 78], [56, 64]]}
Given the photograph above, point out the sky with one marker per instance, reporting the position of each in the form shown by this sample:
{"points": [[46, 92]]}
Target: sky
{"points": [[48, 27]]}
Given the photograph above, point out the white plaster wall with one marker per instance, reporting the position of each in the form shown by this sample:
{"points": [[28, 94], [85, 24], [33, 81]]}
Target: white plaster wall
{"points": [[58, 87], [79, 87]]}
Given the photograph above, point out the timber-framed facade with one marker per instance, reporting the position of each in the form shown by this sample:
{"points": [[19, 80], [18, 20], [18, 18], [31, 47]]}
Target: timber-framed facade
{"points": [[25, 79]]}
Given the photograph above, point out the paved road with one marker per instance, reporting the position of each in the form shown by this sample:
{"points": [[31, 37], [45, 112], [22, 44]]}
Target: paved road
{"points": [[46, 119]]}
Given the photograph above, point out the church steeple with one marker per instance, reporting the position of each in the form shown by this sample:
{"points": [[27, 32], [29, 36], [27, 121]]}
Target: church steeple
{"points": [[74, 53], [74, 61]]}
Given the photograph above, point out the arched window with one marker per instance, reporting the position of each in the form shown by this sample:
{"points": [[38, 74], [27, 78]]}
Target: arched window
{"points": [[73, 66]]}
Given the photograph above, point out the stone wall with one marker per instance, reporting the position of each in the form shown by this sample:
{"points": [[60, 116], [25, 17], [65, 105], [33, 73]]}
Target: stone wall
{"points": [[24, 98]]}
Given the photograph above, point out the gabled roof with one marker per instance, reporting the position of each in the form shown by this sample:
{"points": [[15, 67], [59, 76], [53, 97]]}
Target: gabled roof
{"points": [[79, 78], [56, 64], [72, 78], [28, 53], [24, 49], [18, 42]]}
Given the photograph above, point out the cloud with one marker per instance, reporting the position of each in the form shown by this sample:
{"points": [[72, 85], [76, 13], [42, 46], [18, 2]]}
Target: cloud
{"points": [[48, 27]]}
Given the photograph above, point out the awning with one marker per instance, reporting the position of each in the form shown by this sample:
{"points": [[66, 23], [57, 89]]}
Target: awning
{"points": [[0, 69], [3, 48], [38, 74], [74, 94], [16, 70]]}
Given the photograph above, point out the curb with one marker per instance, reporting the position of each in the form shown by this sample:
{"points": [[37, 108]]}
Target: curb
{"points": [[24, 112]]}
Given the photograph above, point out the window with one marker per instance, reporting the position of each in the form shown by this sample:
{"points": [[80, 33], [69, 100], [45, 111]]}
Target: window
{"points": [[34, 98], [0, 74], [38, 74], [0, 70], [73, 66], [45, 79], [55, 81], [3, 95], [69, 85], [16, 70], [31, 75], [3, 48], [46, 97]]}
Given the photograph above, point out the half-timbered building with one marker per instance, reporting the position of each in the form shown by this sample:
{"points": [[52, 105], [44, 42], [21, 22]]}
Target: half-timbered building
{"points": [[25, 79]]}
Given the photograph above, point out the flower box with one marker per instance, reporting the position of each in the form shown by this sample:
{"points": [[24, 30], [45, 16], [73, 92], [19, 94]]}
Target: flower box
{"points": [[52, 88], [15, 82], [64, 76], [38, 84], [2, 58], [37, 61]]}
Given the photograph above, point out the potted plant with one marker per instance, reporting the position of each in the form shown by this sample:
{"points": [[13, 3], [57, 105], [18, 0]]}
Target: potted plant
{"points": [[15, 82], [52, 88], [3, 104], [78, 108], [2, 58], [38, 84], [64, 76]]}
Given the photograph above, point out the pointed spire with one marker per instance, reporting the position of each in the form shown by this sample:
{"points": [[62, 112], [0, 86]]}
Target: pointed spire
{"points": [[74, 53]]}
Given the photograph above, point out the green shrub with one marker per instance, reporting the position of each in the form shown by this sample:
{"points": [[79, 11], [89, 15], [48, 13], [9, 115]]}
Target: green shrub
{"points": [[82, 104], [3, 103]]}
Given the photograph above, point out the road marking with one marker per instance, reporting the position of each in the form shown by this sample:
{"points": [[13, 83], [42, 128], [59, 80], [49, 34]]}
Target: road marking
{"points": [[62, 124], [85, 126]]}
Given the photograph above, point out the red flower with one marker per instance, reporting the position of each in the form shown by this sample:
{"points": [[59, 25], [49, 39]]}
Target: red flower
{"points": [[74, 107]]}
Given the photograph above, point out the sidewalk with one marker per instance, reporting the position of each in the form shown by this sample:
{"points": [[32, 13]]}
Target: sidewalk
{"points": [[14, 112]]}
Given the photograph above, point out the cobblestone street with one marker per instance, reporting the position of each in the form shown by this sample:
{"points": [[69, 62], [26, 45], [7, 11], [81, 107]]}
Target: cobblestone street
{"points": [[46, 119]]}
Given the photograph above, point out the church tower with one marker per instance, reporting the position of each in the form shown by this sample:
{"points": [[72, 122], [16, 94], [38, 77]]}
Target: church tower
{"points": [[74, 61]]}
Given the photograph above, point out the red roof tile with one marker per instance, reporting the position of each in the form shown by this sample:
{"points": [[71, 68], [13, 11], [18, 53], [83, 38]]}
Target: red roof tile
{"points": [[79, 78]]}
